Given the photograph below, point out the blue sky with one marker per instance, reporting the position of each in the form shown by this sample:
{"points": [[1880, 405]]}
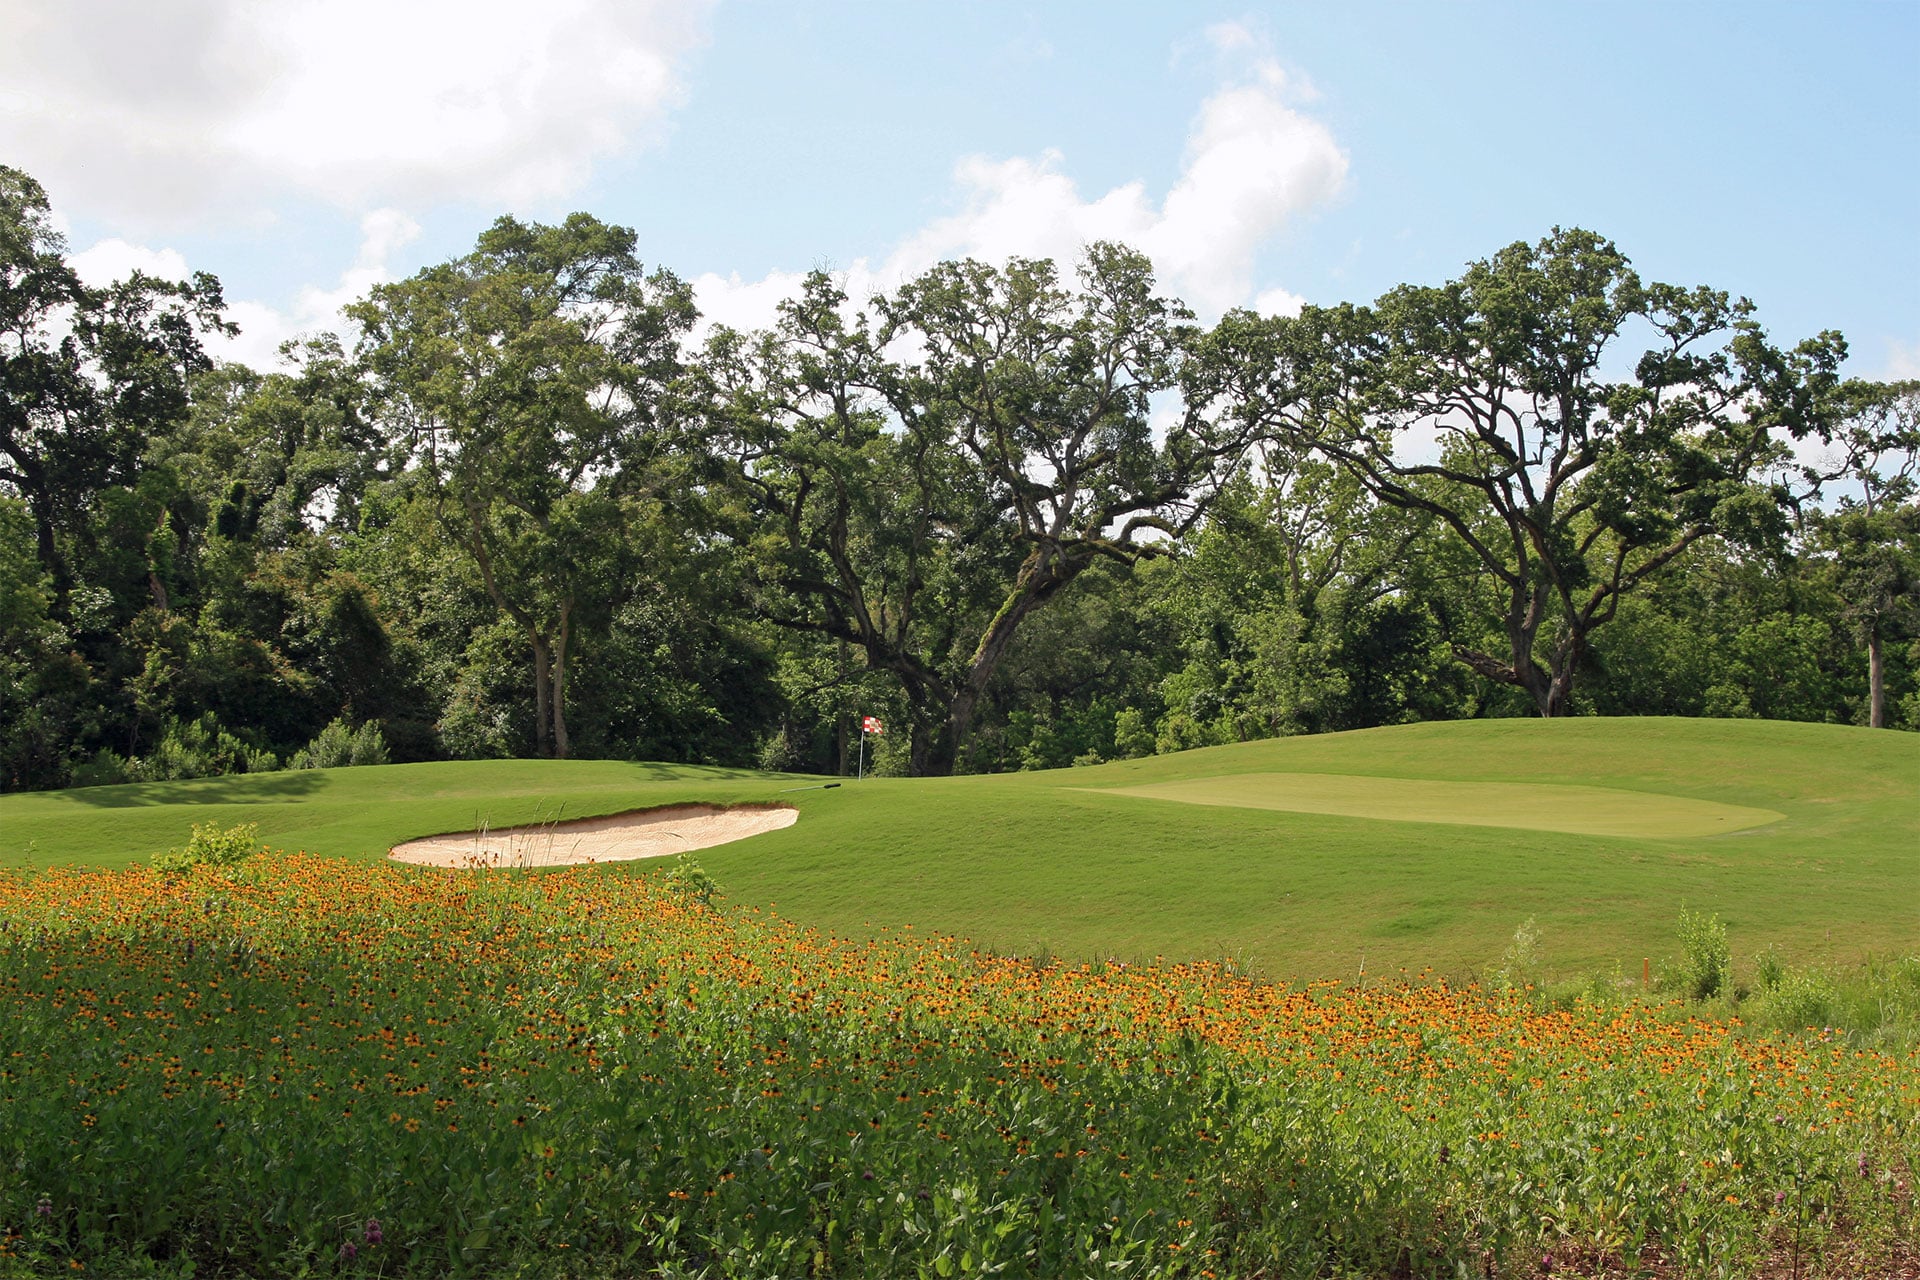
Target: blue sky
{"points": [[1265, 153]]}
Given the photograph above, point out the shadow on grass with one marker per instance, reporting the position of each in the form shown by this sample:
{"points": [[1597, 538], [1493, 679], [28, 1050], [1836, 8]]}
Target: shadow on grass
{"points": [[246, 788], [295, 784]]}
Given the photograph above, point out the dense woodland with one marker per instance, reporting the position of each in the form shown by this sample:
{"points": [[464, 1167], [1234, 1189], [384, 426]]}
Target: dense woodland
{"points": [[1027, 514]]}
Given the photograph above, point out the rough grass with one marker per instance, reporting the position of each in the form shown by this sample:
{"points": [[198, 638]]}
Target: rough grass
{"points": [[1057, 862]]}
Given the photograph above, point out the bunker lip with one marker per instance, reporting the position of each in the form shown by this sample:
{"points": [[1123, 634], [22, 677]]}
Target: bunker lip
{"points": [[618, 837]]}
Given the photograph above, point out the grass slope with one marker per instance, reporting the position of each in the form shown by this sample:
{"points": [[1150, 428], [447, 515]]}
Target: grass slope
{"points": [[1064, 861], [1531, 806]]}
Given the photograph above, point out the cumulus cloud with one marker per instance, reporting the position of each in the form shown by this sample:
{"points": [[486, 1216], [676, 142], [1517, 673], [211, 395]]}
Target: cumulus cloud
{"points": [[1903, 360], [315, 310], [1253, 162], [264, 327], [106, 261], [162, 113]]}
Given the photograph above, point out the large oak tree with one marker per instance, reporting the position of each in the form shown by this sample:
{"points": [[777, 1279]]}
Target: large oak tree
{"points": [[920, 481], [1574, 427], [522, 384]]}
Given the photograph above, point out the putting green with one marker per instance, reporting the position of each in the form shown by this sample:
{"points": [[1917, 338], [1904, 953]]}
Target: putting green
{"points": [[1593, 811]]}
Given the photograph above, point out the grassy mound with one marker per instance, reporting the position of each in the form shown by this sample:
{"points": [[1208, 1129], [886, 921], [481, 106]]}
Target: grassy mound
{"points": [[1069, 862]]}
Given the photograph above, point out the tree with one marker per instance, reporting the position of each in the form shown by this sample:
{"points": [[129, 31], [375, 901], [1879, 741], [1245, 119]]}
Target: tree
{"points": [[1492, 404], [922, 505], [85, 374], [1872, 536], [523, 384]]}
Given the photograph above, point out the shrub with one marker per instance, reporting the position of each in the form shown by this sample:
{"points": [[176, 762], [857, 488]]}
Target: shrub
{"points": [[1521, 963], [199, 749], [1132, 735], [778, 752], [689, 879], [210, 845], [337, 746], [106, 768], [1768, 969], [1802, 998], [1705, 958]]}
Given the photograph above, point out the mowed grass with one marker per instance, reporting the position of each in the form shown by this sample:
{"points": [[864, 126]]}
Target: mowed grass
{"points": [[1532, 806], [1070, 862]]}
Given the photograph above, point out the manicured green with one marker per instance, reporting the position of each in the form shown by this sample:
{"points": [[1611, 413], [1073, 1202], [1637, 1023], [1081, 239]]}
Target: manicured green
{"points": [[1065, 861], [1532, 806]]}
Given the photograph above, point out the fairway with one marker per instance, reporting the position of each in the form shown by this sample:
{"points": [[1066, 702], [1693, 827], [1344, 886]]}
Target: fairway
{"points": [[1594, 811], [1418, 846]]}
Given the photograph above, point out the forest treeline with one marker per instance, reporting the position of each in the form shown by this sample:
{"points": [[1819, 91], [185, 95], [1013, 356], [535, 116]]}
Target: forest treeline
{"points": [[1026, 514]]}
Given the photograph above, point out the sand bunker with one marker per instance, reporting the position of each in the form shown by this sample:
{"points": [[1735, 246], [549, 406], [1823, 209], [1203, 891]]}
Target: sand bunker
{"points": [[648, 833]]}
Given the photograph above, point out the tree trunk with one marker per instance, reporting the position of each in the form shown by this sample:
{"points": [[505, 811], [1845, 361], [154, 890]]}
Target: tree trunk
{"points": [[542, 694], [1045, 572], [840, 721], [560, 743], [1551, 691], [932, 752], [1876, 682]]}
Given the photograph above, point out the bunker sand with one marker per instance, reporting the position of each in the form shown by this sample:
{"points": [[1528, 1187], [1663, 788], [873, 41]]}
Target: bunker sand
{"points": [[620, 837], [1594, 811]]}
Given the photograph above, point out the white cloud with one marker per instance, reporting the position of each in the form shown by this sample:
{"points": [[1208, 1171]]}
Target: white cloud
{"points": [[264, 327], [101, 264], [1278, 302], [741, 304], [1253, 162], [1903, 360], [167, 112]]}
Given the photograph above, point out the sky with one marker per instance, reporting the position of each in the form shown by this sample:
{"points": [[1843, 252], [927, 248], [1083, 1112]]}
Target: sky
{"points": [[1265, 155]]}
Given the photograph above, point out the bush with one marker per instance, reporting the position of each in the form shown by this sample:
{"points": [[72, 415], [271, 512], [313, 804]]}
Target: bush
{"points": [[197, 749], [1802, 998], [689, 879], [1706, 959], [106, 768], [337, 746], [1132, 735], [1768, 969], [1520, 966], [210, 845]]}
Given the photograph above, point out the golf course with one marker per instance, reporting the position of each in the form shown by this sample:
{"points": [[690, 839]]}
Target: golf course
{"points": [[1260, 1010], [1412, 849]]}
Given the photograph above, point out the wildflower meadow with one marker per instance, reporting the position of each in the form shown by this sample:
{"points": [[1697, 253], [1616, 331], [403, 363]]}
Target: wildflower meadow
{"points": [[297, 1065]]}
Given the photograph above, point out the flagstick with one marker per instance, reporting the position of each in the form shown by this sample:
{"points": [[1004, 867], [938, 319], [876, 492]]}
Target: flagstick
{"points": [[862, 775]]}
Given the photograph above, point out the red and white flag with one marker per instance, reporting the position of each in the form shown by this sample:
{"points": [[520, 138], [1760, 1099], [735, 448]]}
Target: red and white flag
{"points": [[869, 724]]}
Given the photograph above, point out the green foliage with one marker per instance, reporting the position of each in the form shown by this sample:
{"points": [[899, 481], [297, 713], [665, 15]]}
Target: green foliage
{"points": [[43, 683], [1567, 491], [411, 1076], [337, 746], [1706, 960], [200, 748], [687, 878], [1131, 737], [1523, 962], [516, 514], [541, 359], [1800, 999], [1873, 1005], [210, 845]]}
